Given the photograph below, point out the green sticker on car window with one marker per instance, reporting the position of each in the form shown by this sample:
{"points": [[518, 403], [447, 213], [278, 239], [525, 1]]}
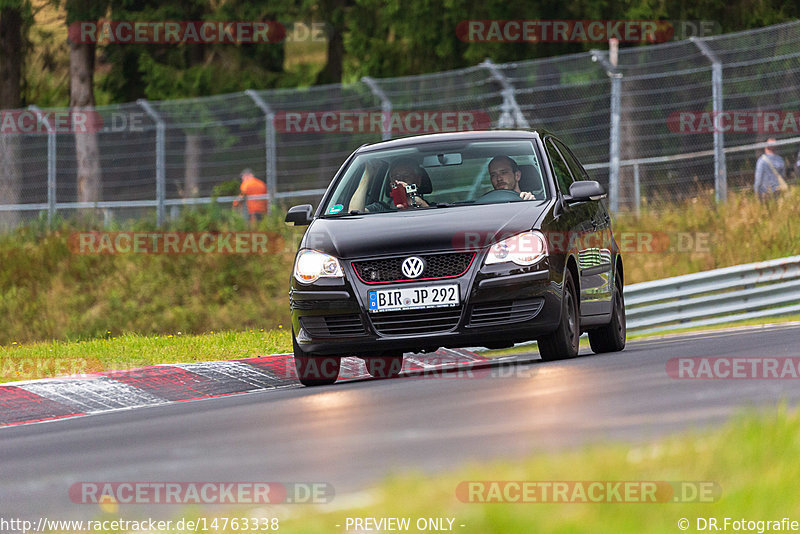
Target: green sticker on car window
{"points": [[336, 208]]}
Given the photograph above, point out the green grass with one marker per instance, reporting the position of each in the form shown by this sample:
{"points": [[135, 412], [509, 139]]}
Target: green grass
{"points": [[58, 358], [743, 230], [752, 460], [48, 292]]}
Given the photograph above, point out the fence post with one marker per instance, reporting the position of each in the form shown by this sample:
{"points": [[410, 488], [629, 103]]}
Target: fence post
{"points": [[386, 105], [720, 166], [271, 169], [512, 115], [51, 164], [160, 159], [637, 192], [613, 142]]}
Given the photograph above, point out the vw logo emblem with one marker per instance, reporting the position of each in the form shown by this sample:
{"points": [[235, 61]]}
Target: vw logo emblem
{"points": [[412, 267]]}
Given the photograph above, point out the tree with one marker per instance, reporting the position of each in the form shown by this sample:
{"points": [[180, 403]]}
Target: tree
{"points": [[81, 97], [12, 28], [333, 12]]}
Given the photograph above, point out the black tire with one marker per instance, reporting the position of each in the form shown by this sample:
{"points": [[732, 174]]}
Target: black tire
{"points": [[611, 338], [315, 370], [384, 366], [564, 342]]}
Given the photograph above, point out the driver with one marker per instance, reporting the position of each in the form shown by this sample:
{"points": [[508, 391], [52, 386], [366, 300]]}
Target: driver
{"points": [[505, 174]]}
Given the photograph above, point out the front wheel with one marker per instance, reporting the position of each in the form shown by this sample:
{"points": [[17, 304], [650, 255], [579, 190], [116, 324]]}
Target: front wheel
{"points": [[315, 370], [611, 337], [564, 342], [384, 366]]}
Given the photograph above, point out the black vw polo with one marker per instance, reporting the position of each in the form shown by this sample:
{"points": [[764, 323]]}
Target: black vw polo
{"points": [[454, 240]]}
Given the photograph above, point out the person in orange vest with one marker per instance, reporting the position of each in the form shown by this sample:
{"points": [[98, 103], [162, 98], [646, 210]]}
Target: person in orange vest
{"points": [[252, 186]]}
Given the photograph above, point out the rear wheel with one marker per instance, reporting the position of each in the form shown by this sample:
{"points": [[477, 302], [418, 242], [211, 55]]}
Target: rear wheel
{"points": [[384, 366], [315, 370], [611, 337], [564, 342]]}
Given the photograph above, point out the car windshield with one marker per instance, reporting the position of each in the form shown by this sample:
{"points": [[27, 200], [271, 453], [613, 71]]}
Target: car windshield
{"points": [[435, 175]]}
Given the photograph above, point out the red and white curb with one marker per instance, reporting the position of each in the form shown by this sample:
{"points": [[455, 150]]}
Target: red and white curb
{"points": [[56, 398]]}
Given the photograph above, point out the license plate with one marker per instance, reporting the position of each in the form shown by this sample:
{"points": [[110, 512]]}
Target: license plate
{"points": [[413, 298]]}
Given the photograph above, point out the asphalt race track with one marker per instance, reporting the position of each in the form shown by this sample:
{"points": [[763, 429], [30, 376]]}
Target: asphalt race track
{"points": [[355, 432]]}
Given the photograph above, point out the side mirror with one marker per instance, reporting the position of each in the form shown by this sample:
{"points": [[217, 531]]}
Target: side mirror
{"points": [[585, 190], [300, 215]]}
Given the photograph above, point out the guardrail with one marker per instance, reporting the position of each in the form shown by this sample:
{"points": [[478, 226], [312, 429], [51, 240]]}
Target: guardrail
{"points": [[750, 291]]}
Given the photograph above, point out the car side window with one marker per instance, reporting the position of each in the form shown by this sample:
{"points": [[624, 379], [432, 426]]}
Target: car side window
{"points": [[572, 162], [563, 176]]}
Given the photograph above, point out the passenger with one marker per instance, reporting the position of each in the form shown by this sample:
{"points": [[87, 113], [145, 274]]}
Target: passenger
{"points": [[404, 171], [505, 174]]}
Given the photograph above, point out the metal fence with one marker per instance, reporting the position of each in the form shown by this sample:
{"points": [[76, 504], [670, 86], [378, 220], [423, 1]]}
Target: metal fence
{"points": [[159, 156], [750, 291]]}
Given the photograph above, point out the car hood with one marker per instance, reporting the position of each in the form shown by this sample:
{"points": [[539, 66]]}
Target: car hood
{"points": [[417, 231]]}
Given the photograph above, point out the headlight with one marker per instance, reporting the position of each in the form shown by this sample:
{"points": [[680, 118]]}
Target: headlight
{"points": [[526, 248], [311, 265]]}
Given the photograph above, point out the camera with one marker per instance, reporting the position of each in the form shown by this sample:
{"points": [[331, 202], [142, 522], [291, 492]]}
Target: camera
{"points": [[404, 196]]}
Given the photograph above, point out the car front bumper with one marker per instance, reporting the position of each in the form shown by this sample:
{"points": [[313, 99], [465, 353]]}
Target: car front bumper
{"points": [[500, 305]]}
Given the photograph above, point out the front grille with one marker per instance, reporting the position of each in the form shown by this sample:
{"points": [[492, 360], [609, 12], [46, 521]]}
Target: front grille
{"points": [[436, 266], [492, 313], [416, 321], [321, 304], [333, 325]]}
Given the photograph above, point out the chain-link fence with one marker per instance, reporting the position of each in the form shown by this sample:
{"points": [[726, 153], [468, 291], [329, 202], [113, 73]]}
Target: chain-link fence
{"points": [[641, 126]]}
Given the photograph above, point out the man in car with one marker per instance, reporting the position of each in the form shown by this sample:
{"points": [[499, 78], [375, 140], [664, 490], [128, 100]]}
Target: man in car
{"points": [[404, 171], [505, 174]]}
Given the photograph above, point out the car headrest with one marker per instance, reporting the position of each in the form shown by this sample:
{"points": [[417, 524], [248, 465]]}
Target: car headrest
{"points": [[425, 184], [531, 180]]}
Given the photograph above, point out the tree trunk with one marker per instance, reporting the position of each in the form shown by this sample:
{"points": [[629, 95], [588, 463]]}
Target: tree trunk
{"points": [[333, 11], [332, 73], [191, 165], [10, 98], [81, 98]]}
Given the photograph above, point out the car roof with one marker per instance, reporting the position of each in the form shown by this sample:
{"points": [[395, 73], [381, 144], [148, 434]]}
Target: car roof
{"points": [[455, 136]]}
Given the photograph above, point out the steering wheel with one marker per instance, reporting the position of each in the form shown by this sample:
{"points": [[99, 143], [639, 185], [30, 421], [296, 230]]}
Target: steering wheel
{"points": [[498, 195]]}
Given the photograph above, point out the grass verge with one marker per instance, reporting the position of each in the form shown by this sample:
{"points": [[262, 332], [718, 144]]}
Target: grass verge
{"points": [[47, 291], [58, 358], [751, 461]]}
